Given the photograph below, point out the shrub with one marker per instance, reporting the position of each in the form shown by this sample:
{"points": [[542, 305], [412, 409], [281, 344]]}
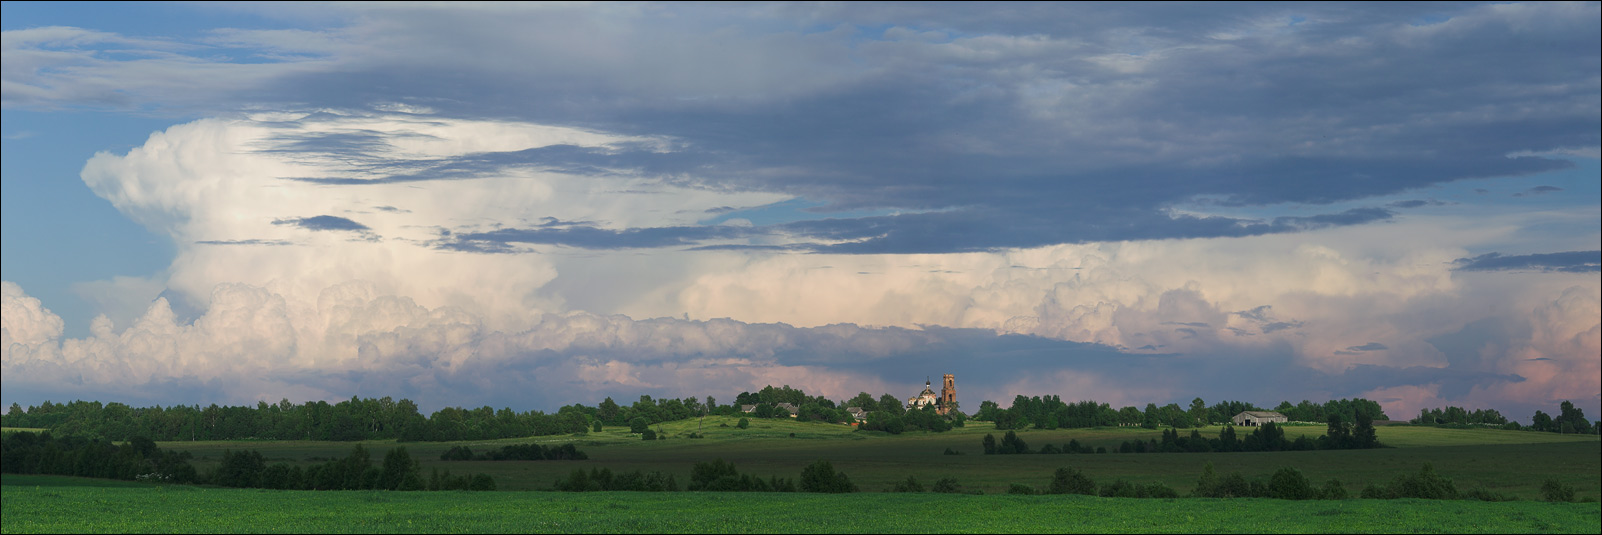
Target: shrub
{"points": [[821, 477], [950, 451], [1485, 495], [1119, 489], [947, 485], [597, 427], [1020, 489], [639, 425], [1158, 490], [1233, 485], [1010, 443], [910, 485], [703, 474], [1333, 490], [1289, 484], [481, 482], [1425, 485], [1071, 481], [648, 435], [1554, 491], [744, 423], [1125, 489]]}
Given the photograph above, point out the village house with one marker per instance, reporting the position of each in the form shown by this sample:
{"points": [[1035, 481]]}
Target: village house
{"points": [[857, 413]]}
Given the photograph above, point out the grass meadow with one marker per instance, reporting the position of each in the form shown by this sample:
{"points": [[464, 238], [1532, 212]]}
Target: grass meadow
{"points": [[1506, 462]]}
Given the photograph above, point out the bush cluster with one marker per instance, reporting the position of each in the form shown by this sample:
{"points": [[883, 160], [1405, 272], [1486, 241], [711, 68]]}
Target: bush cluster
{"points": [[139, 458], [599, 479], [517, 452]]}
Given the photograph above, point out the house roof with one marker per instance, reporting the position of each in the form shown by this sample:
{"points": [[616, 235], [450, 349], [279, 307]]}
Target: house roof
{"points": [[1261, 414]]}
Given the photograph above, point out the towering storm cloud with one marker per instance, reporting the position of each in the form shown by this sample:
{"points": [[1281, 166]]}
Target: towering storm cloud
{"points": [[536, 205]]}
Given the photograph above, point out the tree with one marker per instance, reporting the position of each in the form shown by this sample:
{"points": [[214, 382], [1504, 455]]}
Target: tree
{"points": [[1289, 484], [1071, 481], [1574, 417], [990, 444], [639, 425], [703, 474], [1198, 411], [1542, 422], [1010, 443], [597, 427], [890, 404], [1337, 436], [864, 401], [988, 410], [821, 477], [1364, 435], [609, 411], [400, 472]]}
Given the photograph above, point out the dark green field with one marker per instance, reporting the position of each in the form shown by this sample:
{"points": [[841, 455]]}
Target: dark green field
{"points": [[66, 509], [1506, 462]]}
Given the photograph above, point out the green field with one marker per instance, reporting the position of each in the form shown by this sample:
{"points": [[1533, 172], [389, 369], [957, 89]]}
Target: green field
{"points": [[65, 509], [1506, 462]]}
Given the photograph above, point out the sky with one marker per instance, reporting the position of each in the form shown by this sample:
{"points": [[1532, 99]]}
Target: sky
{"points": [[532, 205]]}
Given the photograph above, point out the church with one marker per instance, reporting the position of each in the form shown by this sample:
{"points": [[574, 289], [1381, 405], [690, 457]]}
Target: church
{"points": [[943, 403]]}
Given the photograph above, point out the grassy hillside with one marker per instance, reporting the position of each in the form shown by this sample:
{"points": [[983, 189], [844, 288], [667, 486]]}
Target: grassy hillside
{"points": [[1508, 462], [57, 509]]}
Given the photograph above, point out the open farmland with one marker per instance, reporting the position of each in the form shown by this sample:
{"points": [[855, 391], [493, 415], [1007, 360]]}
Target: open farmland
{"points": [[1508, 462], [1504, 462]]}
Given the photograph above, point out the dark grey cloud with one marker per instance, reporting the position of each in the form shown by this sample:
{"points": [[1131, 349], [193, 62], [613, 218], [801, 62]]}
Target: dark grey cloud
{"points": [[1566, 262], [1280, 326], [1253, 105], [984, 128], [1256, 314], [323, 222], [588, 236], [1538, 190], [252, 241], [928, 232], [1417, 203]]}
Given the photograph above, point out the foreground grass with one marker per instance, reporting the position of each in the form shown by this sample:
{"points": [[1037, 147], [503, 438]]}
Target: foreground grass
{"points": [[177, 509], [1506, 462]]}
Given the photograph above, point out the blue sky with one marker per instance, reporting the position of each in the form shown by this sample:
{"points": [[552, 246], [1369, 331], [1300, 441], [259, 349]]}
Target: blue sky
{"points": [[462, 205]]}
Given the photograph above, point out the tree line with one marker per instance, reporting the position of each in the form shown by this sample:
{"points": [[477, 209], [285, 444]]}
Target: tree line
{"points": [[712, 476], [139, 459], [136, 459], [1570, 420], [1051, 412], [248, 469], [385, 418]]}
